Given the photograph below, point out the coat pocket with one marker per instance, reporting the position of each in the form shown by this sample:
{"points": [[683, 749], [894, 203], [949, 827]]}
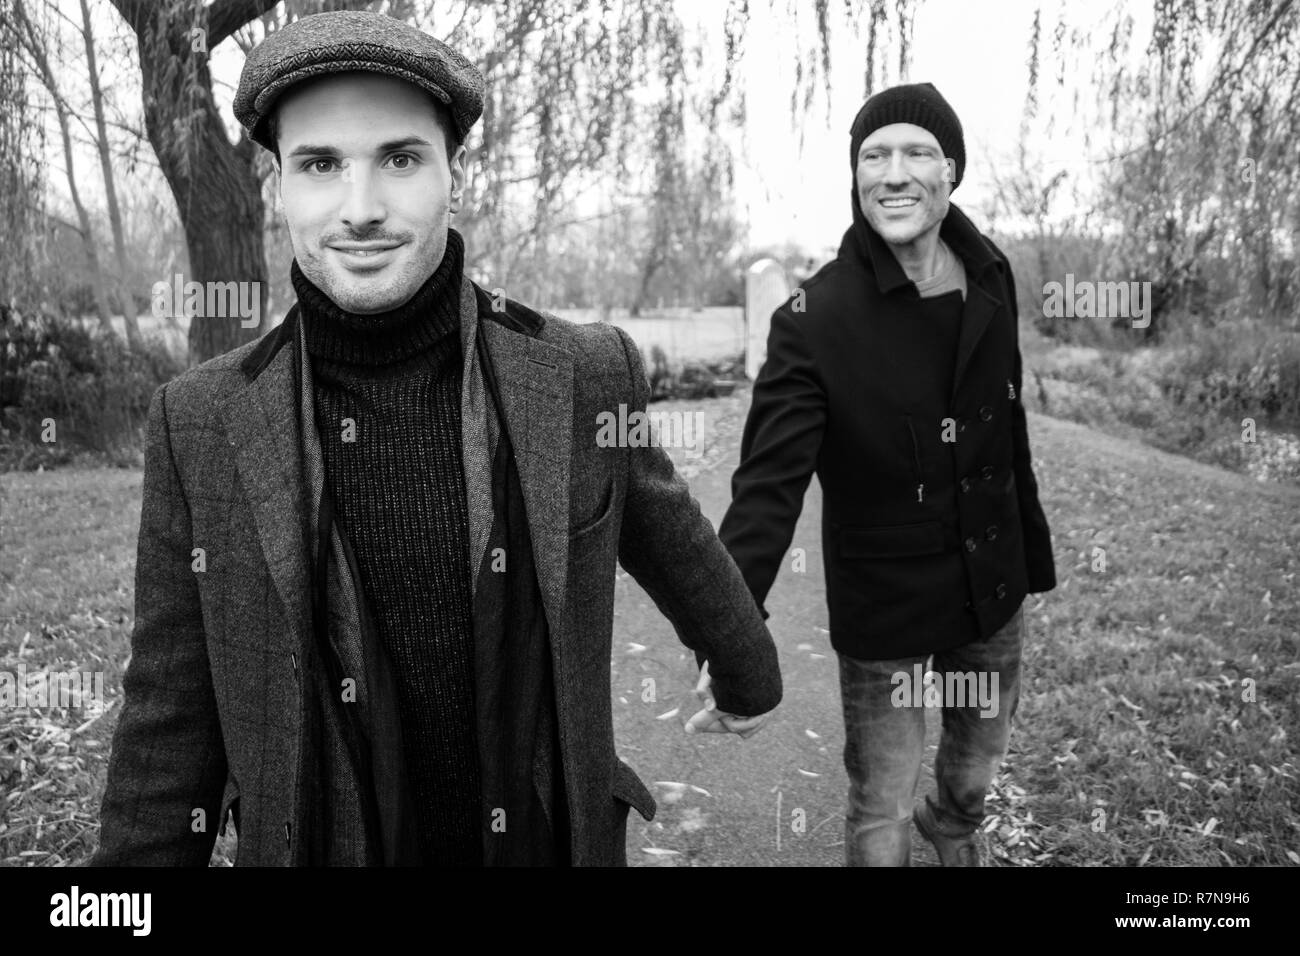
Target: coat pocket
{"points": [[628, 788], [229, 806], [585, 531], [917, 471], [891, 541]]}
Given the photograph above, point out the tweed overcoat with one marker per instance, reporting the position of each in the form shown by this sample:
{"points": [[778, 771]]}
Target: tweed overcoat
{"points": [[214, 693]]}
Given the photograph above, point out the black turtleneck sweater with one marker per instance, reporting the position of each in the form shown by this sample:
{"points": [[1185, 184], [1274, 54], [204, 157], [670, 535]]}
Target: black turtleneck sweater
{"points": [[399, 495]]}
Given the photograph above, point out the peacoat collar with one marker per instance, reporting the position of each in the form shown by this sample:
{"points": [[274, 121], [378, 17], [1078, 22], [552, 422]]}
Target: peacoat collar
{"points": [[883, 281], [865, 245]]}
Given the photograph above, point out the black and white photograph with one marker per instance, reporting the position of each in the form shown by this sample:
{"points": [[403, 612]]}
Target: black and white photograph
{"points": [[462, 434]]}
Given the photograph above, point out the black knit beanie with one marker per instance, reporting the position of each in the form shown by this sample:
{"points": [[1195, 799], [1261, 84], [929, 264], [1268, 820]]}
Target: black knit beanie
{"points": [[919, 104]]}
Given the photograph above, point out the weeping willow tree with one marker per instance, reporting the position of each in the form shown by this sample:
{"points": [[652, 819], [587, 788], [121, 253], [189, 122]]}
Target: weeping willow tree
{"points": [[626, 99], [22, 182], [579, 93], [1200, 172]]}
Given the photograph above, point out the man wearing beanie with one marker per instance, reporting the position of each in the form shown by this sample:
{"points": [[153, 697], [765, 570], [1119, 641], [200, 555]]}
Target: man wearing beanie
{"points": [[375, 583], [894, 375]]}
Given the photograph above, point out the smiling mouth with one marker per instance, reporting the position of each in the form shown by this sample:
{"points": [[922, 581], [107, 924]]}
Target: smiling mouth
{"points": [[899, 202], [363, 247], [365, 252]]}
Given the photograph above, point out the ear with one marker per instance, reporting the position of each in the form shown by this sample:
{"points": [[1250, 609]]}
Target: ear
{"points": [[950, 173], [279, 186], [458, 177]]}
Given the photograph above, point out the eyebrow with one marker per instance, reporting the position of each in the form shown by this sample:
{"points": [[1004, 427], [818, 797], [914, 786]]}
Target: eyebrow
{"points": [[405, 142], [917, 145]]}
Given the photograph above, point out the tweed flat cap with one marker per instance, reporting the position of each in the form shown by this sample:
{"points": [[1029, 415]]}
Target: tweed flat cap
{"points": [[348, 40]]}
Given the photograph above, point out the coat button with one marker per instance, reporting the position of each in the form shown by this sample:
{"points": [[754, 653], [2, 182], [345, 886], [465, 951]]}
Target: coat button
{"points": [[965, 485], [987, 472], [961, 424], [970, 544], [1000, 591], [990, 532], [986, 413]]}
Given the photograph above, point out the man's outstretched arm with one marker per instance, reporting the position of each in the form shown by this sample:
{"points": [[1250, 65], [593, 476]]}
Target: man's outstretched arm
{"points": [[167, 760], [672, 551], [778, 455]]}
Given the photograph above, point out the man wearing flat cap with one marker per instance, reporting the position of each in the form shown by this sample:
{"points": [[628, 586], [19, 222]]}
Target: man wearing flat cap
{"points": [[894, 375], [394, 649]]}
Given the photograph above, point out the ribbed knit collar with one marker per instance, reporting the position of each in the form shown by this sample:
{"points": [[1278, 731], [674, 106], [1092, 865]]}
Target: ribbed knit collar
{"points": [[384, 338]]}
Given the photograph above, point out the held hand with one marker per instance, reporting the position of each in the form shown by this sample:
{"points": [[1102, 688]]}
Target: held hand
{"points": [[710, 720]]}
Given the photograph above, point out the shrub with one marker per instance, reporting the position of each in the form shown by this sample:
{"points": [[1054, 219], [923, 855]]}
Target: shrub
{"points": [[92, 387], [690, 379], [1243, 369]]}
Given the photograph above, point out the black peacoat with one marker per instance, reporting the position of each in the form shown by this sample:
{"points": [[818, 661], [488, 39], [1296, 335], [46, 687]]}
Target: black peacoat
{"points": [[932, 531]]}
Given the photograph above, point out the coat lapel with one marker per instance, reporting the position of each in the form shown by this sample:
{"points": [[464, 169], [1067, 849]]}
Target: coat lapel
{"points": [[262, 422], [535, 382], [976, 314], [981, 305]]}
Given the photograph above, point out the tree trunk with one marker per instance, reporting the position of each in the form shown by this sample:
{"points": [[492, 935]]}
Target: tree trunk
{"points": [[215, 183], [110, 188], [643, 288]]}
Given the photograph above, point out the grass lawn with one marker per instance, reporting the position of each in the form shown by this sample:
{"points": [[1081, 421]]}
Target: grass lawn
{"points": [[67, 565], [1160, 720]]}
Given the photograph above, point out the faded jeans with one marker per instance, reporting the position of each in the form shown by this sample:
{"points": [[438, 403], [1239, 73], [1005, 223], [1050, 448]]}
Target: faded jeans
{"points": [[884, 741]]}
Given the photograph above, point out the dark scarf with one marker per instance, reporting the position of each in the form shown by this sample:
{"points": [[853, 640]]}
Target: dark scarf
{"points": [[514, 679], [360, 809]]}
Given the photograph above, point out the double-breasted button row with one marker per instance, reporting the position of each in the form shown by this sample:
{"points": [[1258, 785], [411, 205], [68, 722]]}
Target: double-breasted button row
{"points": [[999, 592], [966, 484]]}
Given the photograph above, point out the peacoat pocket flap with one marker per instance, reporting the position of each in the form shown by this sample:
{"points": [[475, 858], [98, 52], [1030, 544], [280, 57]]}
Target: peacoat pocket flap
{"points": [[629, 788], [892, 541]]}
